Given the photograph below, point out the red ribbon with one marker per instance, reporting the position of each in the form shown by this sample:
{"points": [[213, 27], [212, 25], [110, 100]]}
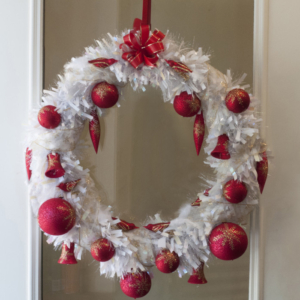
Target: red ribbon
{"points": [[144, 49]]}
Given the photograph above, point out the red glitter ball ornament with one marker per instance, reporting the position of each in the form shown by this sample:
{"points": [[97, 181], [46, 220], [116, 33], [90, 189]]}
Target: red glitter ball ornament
{"points": [[48, 117], [228, 241], [166, 261], [67, 255], [56, 216], [187, 105], [235, 191], [237, 100], [105, 95], [102, 250], [198, 276], [136, 285]]}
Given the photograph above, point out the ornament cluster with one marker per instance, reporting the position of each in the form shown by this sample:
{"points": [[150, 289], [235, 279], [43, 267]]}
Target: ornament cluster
{"points": [[64, 196]]}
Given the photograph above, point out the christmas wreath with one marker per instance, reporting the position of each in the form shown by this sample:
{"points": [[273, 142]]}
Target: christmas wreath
{"points": [[63, 194]]}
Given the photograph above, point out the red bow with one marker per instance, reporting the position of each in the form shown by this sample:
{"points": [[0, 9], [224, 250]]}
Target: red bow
{"points": [[143, 48]]}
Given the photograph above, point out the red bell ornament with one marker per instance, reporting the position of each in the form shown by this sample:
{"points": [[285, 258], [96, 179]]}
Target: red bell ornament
{"points": [[187, 105], [28, 157], [262, 168], [235, 191], [237, 100], [55, 170], [157, 227], [198, 276], [197, 202], [102, 250], [221, 150], [102, 63], [105, 95], [56, 216], [136, 285], [199, 131], [228, 241], [125, 226], [68, 186], [48, 117], [67, 255], [94, 128], [166, 261]]}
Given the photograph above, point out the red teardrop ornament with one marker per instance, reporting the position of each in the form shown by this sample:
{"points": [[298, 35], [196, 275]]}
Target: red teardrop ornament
{"points": [[48, 117], [94, 128], [105, 95], [55, 170], [102, 63], [221, 150], [166, 261], [237, 100], [235, 191], [262, 168], [199, 131], [187, 105], [28, 158], [198, 276], [102, 250], [67, 256], [197, 202]]}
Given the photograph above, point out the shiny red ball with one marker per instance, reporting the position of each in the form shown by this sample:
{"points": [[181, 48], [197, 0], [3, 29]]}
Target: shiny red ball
{"points": [[102, 250], [235, 191], [105, 95], [136, 285], [48, 117], [228, 241], [237, 100], [56, 216], [187, 105], [166, 261]]}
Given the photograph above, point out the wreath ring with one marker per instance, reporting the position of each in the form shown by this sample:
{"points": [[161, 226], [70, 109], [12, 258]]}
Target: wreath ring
{"points": [[63, 194]]}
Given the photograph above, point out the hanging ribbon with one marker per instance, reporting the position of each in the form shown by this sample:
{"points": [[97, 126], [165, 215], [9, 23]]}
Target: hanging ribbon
{"points": [[143, 49]]}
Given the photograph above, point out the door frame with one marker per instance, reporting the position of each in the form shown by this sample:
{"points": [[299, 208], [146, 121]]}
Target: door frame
{"points": [[260, 80]]}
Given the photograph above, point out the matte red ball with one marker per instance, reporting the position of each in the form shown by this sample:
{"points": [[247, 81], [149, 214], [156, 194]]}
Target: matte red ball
{"points": [[48, 117], [105, 95], [56, 216], [237, 100], [136, 285], [166, 261], [187, 105], [228, 241], [102, 250], [235, 191]]}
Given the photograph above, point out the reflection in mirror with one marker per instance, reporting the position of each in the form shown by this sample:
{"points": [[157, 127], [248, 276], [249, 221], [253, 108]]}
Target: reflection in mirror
{"points": [[146, 161]]}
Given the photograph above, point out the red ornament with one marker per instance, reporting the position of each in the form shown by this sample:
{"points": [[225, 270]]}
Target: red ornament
{"points": [[102, 63], [180, 68], [237, 100], [48, 117], [136, 285], [262, 168], [228, 241], [125, 226], [167, 262], [102, 250], [187, 105], [235, 191], [157, 227], [67, 255], [221, 150], [68, 186], [199, 131], [198, 276], [56, 216], [206, 192], [55, 170], [94, 127], [197, 202], [105, 95], [28, 158]]}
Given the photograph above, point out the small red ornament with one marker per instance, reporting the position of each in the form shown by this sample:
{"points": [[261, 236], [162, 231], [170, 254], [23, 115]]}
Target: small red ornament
{"points": [[187, 105], [221, 150], [197, 202], [198, 276], [28, 158], [67, 255], [68, 186], [167, 262], [102, 250], [56, 216], [94, 127], [136, 285], [262, 168], [206, 192], [235, 191], [199, 131], [228, 241], [157, 227], [48, 117], [55, 170], [102, 63], [105, 95], [125, 226], [237, 100], [180, 68]]}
